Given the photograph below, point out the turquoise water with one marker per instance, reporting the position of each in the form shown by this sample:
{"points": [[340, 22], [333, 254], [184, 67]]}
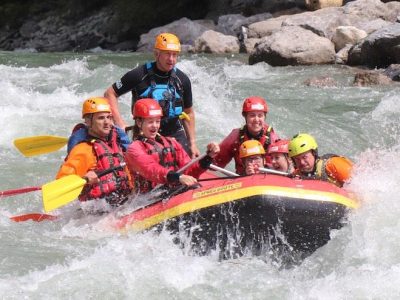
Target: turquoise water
{"points": [[82, 259]]}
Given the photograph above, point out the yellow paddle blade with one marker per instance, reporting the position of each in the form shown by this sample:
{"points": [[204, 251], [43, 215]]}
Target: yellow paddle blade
{"points": [[62, 191], [36, 145]]}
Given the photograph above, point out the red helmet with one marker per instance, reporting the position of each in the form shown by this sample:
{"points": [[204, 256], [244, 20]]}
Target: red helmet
{"points": [[280, 146], [147, 108], [254, 103]]}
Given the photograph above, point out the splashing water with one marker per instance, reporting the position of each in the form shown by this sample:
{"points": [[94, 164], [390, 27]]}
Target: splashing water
{"points": [[81, 258]]}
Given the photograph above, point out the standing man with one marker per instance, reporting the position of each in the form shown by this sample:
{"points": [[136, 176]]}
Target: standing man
{"points": [[162, 81]]}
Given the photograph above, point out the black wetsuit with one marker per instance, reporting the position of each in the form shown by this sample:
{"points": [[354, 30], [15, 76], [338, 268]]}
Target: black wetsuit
{"points": [[141, 78]]}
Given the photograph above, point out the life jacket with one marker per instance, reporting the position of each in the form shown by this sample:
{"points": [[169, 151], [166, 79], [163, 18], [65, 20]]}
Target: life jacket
{"points": [[264, 137], [114, 187], [80, 134], [166, 156], [169, 95]]}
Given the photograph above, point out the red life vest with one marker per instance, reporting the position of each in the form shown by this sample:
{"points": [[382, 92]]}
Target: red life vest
{"points": [[114, 187], [164, 152], [264, 137]]}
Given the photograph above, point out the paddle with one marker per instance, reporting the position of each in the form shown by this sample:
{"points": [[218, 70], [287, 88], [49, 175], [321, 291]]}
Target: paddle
{"points": [[19, 191], [36, 217], [36, 145], [273, 171], [62, 191]]}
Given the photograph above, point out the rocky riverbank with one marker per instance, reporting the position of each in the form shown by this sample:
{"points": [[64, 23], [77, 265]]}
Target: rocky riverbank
{"points": [[360, 33]]}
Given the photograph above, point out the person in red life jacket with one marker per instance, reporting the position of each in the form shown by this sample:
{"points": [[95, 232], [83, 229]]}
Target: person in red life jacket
{"points": [[303, 149], [254, 112], [279, 153], [154, 159], [162, 81], [99, 152], [252, 154]]}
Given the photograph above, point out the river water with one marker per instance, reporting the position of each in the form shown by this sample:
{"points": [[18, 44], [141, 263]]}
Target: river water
{"points": [[82, 259]]}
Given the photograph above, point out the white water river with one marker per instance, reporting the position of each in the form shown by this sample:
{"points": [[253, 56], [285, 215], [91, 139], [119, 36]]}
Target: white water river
{"points": [[81, 259]]}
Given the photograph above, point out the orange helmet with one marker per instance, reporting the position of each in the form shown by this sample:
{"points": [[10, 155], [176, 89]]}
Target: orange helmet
{"points": [[167, 42], [250, 148], [94, 105], [147, 108], [254, 103], [280, 146]]}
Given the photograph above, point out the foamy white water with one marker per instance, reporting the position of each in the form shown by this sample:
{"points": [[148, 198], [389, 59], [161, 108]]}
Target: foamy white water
{"points": [[82, 259]]}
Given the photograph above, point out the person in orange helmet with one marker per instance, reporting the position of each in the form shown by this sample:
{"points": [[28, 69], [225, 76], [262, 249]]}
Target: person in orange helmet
{"points": [[100, 151], [279, 153], [162, 81], [252, 154], [303, 150], [254, 111], [154, 159]]}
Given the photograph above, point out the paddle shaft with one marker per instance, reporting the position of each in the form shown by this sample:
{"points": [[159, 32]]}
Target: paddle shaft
{"points": [[181, 170], [193, 161], [224, 171], [273, 171], [19, 191], [108, 171]]}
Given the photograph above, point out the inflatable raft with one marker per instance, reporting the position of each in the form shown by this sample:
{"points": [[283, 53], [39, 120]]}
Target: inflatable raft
{"points": [[250, 214]]}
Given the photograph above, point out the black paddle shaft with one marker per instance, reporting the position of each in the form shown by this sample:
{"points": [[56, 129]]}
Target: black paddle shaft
{"points": [[108, 171]]}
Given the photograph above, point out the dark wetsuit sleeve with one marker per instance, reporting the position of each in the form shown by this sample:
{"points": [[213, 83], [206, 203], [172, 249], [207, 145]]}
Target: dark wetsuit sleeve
{"points": [[187, 89], [129, 81]]}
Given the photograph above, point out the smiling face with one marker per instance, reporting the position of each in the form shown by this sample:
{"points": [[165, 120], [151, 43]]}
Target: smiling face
{"points": [[255, 121], [99, 124], [279, 162], [149, 126], [166, 60], [305, 161]]}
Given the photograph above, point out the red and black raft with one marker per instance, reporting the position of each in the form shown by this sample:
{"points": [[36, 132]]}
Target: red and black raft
{"points": [[248, 214]]}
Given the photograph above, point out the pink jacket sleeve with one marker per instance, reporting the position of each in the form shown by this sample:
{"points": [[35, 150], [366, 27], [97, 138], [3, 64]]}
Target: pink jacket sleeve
{"points": [[228, 148]]}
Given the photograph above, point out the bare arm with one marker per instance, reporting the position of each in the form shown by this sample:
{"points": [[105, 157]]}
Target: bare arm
{"points": [[190, 131], [113, 101]]}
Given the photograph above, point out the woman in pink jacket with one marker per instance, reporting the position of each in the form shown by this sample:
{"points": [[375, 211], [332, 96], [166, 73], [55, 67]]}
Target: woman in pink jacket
{"points": [[254, 112], [154, 159]]}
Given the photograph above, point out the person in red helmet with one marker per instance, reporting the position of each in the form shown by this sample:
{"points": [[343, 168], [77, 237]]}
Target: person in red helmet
{"points": [[162, 81], [279, 153], [154, 159], [254, 112]]}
